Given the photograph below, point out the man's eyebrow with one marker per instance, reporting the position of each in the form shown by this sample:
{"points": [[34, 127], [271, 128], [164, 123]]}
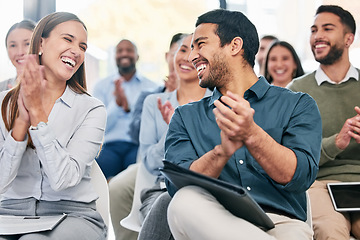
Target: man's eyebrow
{"points": [[324, 25], [199, 39], [328, 24]]}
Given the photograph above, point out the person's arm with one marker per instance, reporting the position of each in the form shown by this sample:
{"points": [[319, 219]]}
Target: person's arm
{"points": [[134, 128], [293, 164], [65, 164], [120, 96], [151, 143], [237, 129], [11, 153], [333, 145]]}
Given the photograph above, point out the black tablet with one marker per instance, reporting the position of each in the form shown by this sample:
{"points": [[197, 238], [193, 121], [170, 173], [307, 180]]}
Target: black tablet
{"points": [[345, 196]]}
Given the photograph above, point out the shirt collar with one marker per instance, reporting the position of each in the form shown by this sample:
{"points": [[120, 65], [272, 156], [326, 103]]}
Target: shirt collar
{"points": [[258, 89], [68, 97], [321, 77]]}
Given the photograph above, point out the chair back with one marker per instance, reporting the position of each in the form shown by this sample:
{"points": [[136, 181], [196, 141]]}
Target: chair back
{"points": [[144, 179], [100, 184]]}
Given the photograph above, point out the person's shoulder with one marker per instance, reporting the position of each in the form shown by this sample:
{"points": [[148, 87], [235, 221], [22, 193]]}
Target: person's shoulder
{"points": [[303, 81], [146, 93], [146, 81], [196, 106], [84, 99], [153, 97]]}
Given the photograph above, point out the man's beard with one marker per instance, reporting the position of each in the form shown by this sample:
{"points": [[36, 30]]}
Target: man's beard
{"points": [[218, 74], [333, 56], [127, 68]]}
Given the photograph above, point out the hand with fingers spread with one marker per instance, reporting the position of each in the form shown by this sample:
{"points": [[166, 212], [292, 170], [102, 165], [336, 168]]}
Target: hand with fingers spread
{"points": [[350, 129], [120, 96], [166, 109]]}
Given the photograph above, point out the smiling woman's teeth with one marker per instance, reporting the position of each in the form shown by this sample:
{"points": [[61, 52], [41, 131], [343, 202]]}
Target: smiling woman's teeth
{"points": [[68, 61], [185, 67]]}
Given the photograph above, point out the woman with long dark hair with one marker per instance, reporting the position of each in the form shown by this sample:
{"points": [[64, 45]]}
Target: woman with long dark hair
{"points": [[282, 64], [51, 131]]}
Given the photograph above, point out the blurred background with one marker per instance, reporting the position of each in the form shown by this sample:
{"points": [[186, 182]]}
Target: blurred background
{"points": [[151, 24]]}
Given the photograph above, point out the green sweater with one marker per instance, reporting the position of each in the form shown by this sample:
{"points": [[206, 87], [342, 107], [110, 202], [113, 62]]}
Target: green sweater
{"points": [[336, 104]]}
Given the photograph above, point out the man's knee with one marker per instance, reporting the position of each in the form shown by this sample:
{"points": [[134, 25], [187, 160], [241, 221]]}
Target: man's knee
{"points": [[184, 202], [123, 184], [331, 228]]}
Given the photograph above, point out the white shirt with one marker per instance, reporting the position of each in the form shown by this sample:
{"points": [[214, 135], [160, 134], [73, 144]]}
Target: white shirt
{"points": [[59, 167], [321, 77]]}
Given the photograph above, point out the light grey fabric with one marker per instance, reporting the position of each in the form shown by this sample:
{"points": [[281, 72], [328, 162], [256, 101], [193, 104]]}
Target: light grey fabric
{"points": [[83, 222]]}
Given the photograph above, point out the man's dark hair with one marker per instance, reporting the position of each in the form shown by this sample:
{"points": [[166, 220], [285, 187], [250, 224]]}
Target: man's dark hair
{"points": [[231, 24], [345, 16]]}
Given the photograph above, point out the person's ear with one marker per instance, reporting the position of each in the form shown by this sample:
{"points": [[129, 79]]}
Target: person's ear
{"points": [[349, 39], [236, 45]]}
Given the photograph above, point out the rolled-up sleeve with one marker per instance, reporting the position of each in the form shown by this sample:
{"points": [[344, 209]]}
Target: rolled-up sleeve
{"points": [[303, 136]]}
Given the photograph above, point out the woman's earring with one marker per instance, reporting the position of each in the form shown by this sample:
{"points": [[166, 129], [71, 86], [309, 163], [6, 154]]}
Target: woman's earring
{"points": [[40, 53]]}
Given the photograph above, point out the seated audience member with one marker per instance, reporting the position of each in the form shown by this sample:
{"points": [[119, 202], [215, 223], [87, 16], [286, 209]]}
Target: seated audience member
{"points": [[119, 92], [51, 131], [249, 133], [158, 110], [282, 64], [170, 84], [17, 42], [121, 187], [334, 86], [265, 42]]}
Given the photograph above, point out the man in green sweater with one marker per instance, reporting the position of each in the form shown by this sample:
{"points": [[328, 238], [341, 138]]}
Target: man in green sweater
{"points": [[335, 87]]}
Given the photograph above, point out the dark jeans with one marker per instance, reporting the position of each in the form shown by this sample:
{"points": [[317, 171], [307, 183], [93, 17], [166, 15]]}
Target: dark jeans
{"points": [[116, 156], [155, 225]]}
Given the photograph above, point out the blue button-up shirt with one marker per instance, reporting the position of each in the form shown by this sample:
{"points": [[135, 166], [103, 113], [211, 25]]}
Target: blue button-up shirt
{"points": [[118, 121], [291, 119]]}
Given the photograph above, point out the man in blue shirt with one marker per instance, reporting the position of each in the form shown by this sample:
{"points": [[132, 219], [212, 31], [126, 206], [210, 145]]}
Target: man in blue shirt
{"points": [[264, 138], [119, 93]]}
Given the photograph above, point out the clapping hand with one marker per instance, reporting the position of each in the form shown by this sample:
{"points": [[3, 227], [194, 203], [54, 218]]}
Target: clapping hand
{"points": [[350, 129], [234, 117], [120, 96], [32, 85], [166, 109]]}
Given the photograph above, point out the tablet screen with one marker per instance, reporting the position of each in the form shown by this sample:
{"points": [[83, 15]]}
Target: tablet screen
{"points": [[345, 196]]}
